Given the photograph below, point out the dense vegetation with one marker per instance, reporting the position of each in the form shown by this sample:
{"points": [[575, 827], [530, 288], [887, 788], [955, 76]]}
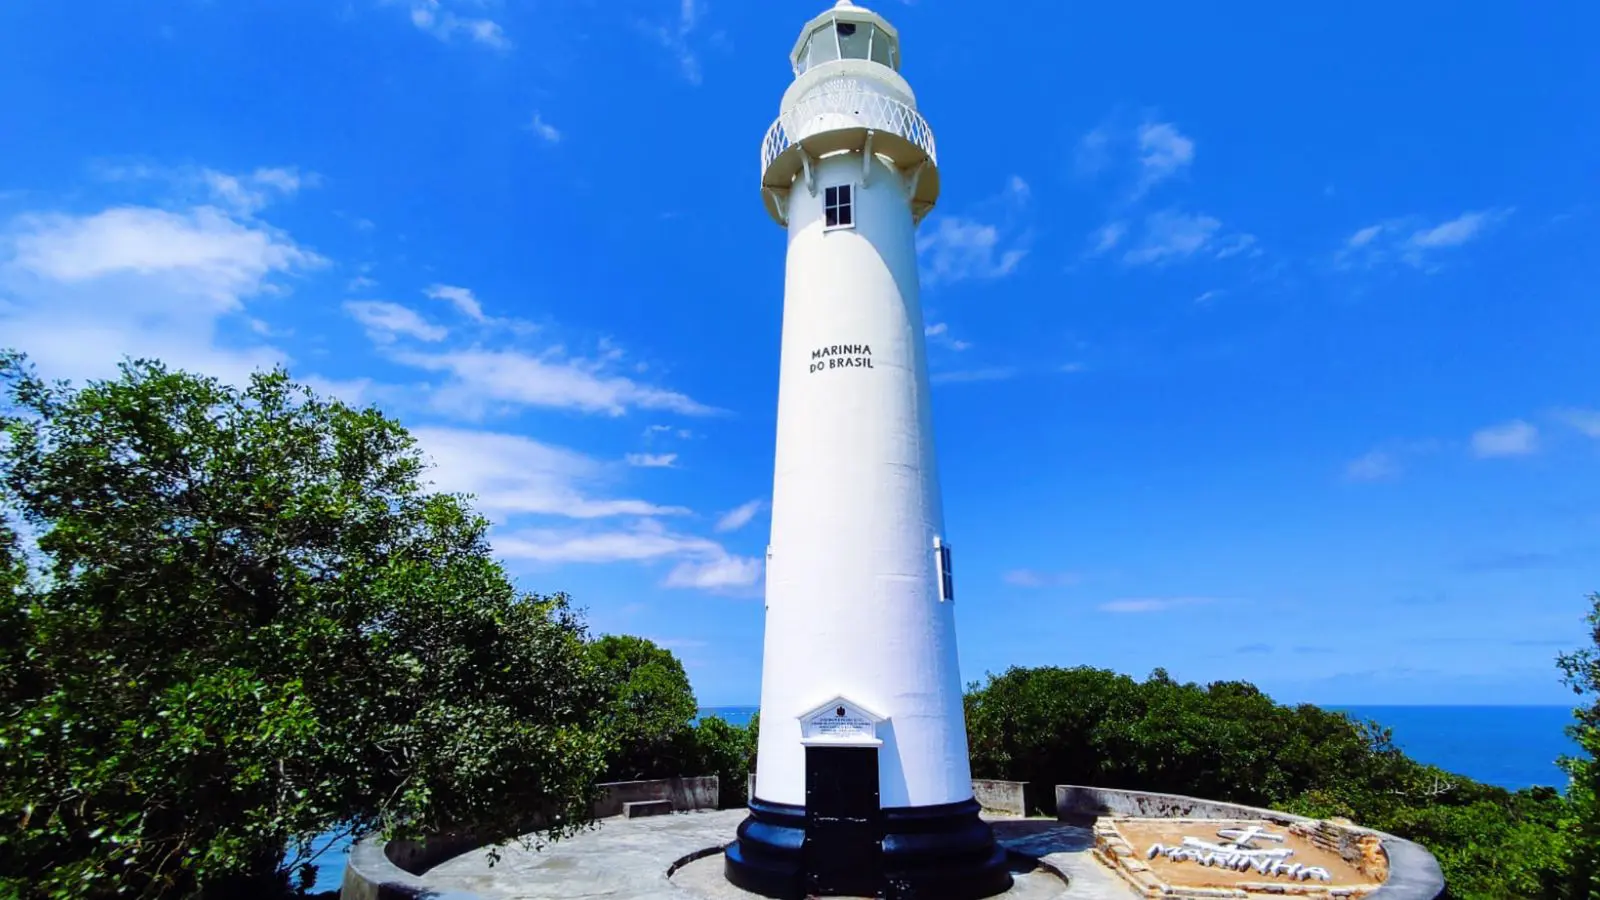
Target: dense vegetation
{"points": [[232, 620], [1229, 741]]}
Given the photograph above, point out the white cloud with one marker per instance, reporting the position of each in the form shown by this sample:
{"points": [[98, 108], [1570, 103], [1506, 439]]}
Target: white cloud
{"points": [[1094, 152], [546, 132], [1235, 244], [513, 475], [1028, 578], [519, 379], [674, 38], [384, 322], [1108, 236], [1514, 438], [360, 283], [740, 516], [939, 333], [1153, 604], [1453, 233], [961, 248], [1208, 296], [1364, 237], [250, 193], [1585, 421], [433, 17], [969, 376], [459, 297], [1413, 242], [701, 562], [1163, 152], [1172, 235], [1377, 465], [719, 574], [958, 249], [652, 460], [83, 291]]}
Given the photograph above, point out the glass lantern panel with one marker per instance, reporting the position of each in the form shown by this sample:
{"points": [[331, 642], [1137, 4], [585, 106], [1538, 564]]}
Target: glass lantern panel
{"points": [[853, 39], [881, 46], [824, 46]]}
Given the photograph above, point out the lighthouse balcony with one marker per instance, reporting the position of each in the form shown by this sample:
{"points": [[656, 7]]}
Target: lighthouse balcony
{"points": [[842, 118]]}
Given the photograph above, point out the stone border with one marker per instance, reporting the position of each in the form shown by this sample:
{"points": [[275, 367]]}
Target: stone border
{"points": [[1008, 798], [1413, 872], [376, 870]]}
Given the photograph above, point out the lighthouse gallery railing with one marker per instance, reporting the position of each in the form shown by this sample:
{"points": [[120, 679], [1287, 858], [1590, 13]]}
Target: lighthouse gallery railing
{"points": [[838, 107]]}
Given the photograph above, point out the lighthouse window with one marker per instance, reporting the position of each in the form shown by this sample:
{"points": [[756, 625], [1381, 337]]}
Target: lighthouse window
{"points": [[947, 582], [838, 206], [854, 42]]}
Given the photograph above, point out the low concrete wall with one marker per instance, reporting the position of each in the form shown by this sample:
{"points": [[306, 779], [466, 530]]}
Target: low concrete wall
{"points": [[1004, 797], [1413, 872], [685, 793]]}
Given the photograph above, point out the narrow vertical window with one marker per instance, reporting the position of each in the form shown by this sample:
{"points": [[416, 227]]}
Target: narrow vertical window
{"points": [[947, 581], [838, 206]]}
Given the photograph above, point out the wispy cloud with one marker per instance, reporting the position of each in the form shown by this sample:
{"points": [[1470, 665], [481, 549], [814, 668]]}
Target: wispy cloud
{"points": [[1253, 649], [1389, 461], [435, 18], [510, 474], [1414, 242], [250, 193], [1377, 465], [939, 333], [1030, 578], [384, 322], [1107, 237], [546, 132], [478, 377], [459, 297], [674, 37], [740, 516], [652, 460], [1153, 604], [1170, 235], [701, 563], [1164, 151], [1586, 421], [983, 246], [1514, 438], [970, 376]]}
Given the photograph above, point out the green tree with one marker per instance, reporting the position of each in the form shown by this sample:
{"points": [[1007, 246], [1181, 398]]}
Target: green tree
{"points": [[649, 708], [1229, 741], [1581, 670], [240, 622]]}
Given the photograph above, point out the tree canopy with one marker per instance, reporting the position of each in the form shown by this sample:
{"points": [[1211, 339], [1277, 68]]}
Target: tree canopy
{"points": [[232, 619]]}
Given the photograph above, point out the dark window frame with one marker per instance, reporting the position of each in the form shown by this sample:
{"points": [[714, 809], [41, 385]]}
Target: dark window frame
{"points": [[839, 206]]}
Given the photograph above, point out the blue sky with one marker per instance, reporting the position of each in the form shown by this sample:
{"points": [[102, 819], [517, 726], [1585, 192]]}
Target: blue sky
{"points": [[1263, 342]]}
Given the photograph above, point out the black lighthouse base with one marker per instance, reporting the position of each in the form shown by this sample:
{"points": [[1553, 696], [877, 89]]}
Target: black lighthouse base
{"points": [[941, 852]]}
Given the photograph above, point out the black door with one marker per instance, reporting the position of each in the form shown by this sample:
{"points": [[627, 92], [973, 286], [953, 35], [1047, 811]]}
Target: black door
{"points": [[844, 835]]}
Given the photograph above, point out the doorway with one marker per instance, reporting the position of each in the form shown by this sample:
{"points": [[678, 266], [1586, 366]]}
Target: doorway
{"points": [[843, 847]]}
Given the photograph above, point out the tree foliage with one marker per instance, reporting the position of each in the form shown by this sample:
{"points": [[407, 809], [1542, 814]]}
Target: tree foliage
{"points": [[649, 708], [237, 621], [1581, 670], [1229, 741]]}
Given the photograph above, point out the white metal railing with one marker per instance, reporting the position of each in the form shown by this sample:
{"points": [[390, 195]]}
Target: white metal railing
{"points": [[845, 106]]}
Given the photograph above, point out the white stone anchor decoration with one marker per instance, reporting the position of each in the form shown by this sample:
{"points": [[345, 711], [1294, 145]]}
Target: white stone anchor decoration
{"points": [[1239, 853]]}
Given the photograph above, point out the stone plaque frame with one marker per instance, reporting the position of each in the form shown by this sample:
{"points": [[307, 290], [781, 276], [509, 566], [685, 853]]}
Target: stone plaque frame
{"points": [[840, 722]]}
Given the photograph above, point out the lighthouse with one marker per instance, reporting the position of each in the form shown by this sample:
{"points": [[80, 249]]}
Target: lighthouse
{"points": [[862, 782]]}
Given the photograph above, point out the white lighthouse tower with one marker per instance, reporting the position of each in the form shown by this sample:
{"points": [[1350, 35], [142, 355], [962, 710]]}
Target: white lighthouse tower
{"points": [[862, 780]]}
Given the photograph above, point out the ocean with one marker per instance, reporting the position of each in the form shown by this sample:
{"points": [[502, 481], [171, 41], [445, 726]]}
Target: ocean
{"points": [[1510, 746]]}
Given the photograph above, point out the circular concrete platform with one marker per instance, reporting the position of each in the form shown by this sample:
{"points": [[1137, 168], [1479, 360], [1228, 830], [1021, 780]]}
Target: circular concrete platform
{"points": [[678, 857]]}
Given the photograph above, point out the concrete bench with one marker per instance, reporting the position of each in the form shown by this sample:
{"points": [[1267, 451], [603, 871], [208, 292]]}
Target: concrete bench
{"points": [[641, 808]]}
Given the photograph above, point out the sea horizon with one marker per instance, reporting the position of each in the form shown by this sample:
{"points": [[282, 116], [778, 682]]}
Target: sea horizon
{"points": [[1512, 746]]}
